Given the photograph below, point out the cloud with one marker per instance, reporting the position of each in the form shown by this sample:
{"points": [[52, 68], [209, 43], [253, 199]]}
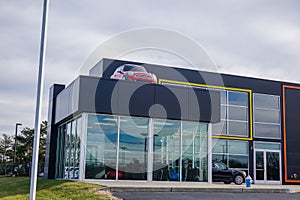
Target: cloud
{"points": [[260, 35]]}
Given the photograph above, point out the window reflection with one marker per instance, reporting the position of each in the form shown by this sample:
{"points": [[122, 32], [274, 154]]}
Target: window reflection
{"points": [[267, 145], [101, 147], [234, 114], [238, 147], [133, 148], [238, 113], [166, 150], [238, 98], [219, 128], [266, 101], [267, 130], [233, 153], [194, 152], [60, 153], [105, 133], [68, 150], [267, 116], [238, 128]]}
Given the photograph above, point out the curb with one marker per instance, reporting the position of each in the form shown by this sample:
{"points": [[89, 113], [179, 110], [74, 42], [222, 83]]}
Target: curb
{"points": [[180, 189]]}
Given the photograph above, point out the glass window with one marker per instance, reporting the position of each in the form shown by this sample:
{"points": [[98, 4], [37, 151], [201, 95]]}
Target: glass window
{"points": [[219, 146], [238, 128], [267, 116], [166, 150], [219, 128], [77, 148], [234, 114], [223, 112], [223, 97], [133, 148], [72, 151], [237, 147], [267, 130], [267, 145], [238, 161], [60, 153], [67, 151], [233, 153], [221, 157], [102, 132], [266, 101], [238, 113], [194, 151], [237, 98]]}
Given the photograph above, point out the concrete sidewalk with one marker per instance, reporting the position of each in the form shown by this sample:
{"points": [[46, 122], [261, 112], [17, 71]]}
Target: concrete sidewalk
{"points": [[129, 186]]}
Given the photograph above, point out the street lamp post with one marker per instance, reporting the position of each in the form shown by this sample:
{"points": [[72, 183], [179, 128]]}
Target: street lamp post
{"points": [[37, 121], [16, 133]]}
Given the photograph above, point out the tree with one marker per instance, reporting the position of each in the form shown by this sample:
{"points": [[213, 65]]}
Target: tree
{"points": [[5, 146], [25, 146]]}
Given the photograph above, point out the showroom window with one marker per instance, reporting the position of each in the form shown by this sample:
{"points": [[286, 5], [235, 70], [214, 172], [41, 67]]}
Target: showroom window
{"points": [[267, 116], [68, 151], [101, 147], [134, 148], [194, 152], [234, 114], [233, 153], [166, 150]]}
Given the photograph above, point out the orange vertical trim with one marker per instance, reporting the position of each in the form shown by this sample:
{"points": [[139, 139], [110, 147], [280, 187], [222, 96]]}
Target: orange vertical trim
{"points": [[284, 132]]}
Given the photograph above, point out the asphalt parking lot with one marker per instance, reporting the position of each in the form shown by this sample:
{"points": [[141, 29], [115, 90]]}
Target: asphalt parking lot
{"points": [[204, 195]]}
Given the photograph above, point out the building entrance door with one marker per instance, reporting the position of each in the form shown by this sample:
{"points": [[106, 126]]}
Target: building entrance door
{"points": [[267, 166]]}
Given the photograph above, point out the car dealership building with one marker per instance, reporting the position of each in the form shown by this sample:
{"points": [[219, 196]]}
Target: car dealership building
{"points": [[172, 130]]}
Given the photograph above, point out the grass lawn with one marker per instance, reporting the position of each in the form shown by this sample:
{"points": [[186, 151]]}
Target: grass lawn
{"points": [[17, 188]]}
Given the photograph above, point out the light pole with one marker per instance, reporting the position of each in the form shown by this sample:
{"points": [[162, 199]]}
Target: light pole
{"points": [[16, 133], [37, 121]]}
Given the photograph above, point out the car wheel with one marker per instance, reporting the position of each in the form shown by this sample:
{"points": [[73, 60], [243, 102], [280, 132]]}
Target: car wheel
{"points": [[238, 179], [227, 182]]}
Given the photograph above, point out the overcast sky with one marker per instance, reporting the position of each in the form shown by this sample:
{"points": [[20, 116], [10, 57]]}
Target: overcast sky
{"points": [[259, 38]]}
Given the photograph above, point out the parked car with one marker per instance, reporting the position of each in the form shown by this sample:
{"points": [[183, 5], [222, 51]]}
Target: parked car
{"points": [[133, 73], [221, 173]]}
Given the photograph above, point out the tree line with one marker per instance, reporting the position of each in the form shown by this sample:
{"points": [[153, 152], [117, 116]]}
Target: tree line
{"points": [[23, 155]]}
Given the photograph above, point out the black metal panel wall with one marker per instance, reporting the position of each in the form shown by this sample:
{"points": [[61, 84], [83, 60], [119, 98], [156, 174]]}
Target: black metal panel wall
{"points": [[51, 143], [170, 102], [148, 100], [202, 77], [292, 133]]}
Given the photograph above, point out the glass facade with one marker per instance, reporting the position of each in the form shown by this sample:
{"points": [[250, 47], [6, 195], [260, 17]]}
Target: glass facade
{"points": [[267, 116], [133, 148], [148, 149], [234, 114]]}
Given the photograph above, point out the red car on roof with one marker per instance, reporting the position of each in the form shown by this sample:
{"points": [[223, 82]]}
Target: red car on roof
{"points": [[133, 73]]}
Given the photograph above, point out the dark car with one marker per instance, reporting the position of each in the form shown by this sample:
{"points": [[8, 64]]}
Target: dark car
{"points": [[133, 73], [221, 173]]}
